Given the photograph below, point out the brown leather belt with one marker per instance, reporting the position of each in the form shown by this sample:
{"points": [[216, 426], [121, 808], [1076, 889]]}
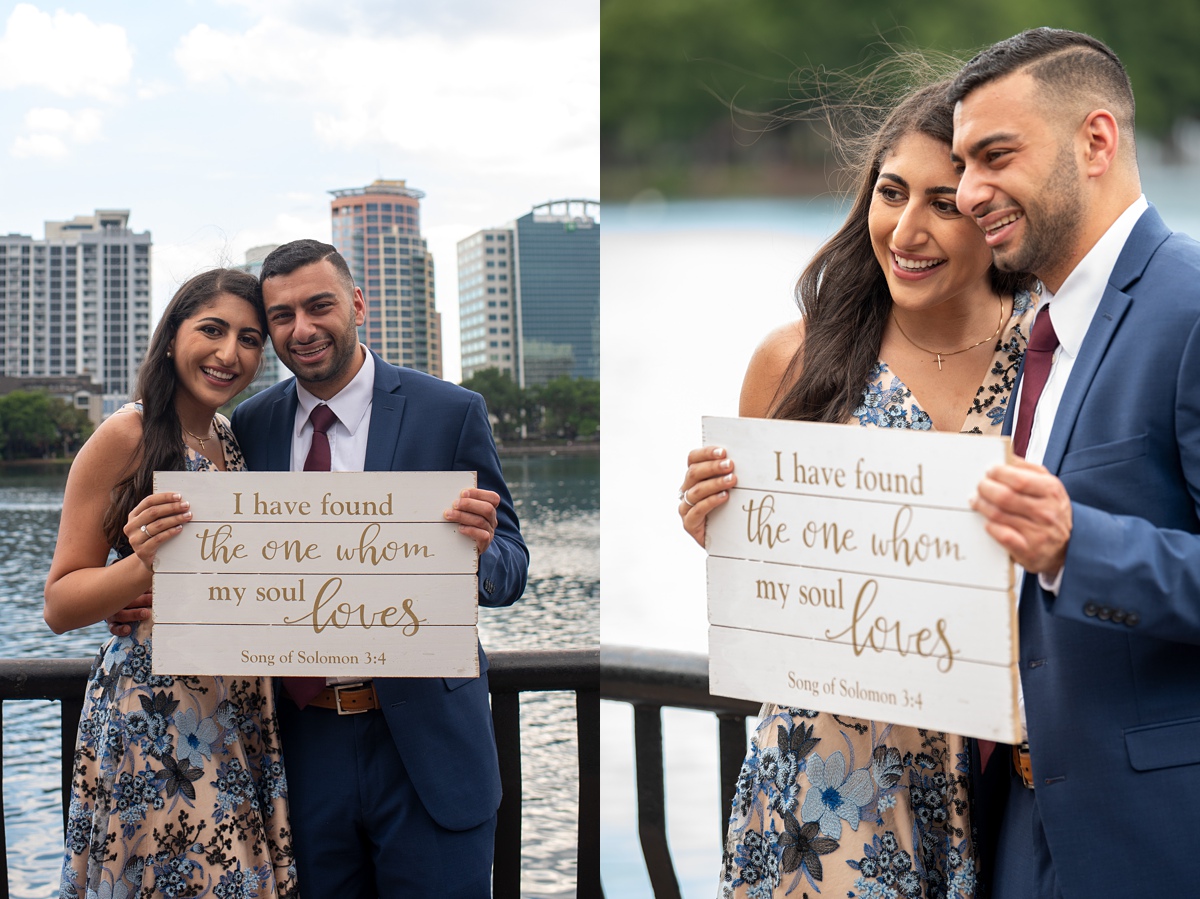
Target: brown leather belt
{"points": [[1021, 761], [347, 699]]}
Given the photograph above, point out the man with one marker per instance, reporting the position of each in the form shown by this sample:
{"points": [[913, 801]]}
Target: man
{"points": [[400, 800], [1108, 531]]}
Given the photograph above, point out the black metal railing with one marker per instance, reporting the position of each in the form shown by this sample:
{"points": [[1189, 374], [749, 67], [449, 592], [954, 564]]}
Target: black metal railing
{"points": [[510, 673], [649, 679]]}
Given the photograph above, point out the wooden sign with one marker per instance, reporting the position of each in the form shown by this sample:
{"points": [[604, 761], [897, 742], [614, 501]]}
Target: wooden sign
{"points": [[847, 574], [351, 574]]}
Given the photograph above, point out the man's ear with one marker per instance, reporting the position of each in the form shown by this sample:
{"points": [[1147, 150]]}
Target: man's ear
{"points": [[1101, 136]]}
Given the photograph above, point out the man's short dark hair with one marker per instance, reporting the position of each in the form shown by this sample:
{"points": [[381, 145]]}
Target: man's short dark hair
{"points": [[1069, 67], [285, 259]]}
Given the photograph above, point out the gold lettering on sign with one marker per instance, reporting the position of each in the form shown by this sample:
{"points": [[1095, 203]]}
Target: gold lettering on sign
{"points": [[889, 481], [215, 547], [829, 535], [882, 635], [330, 506], [370, 554], [226, 594], [290, 550], [810, 475], [920, 548], [345, 615], [758, 526]]}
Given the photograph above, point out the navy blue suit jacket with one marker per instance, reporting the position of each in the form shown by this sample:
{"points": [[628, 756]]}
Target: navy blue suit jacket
{"points": [[1110, 666], [442, 727]]}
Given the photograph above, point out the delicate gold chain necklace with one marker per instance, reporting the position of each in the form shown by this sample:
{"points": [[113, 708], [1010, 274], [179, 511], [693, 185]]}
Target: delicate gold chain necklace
{"points": [[999, 325], [209, 435]]}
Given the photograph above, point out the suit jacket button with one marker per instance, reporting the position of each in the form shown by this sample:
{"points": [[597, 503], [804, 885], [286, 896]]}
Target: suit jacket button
{"points": [[1104, 614], [1118, 616], [1132, 619], [489, 586], [1090, 610]]}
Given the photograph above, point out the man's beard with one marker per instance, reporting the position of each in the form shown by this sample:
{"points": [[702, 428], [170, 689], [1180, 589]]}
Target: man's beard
{"points": [[1052, 223]]}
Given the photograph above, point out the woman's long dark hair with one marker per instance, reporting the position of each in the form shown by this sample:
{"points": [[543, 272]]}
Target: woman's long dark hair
{"points": [[162, 446], [843, 294]]}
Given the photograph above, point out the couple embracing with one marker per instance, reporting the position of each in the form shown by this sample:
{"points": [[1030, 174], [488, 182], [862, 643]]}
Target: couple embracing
{"points": [[179, 786], [1019, 167]]}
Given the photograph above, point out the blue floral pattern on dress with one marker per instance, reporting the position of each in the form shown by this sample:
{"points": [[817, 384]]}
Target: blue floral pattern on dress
{"points": [[178, 787], [827, 805]]}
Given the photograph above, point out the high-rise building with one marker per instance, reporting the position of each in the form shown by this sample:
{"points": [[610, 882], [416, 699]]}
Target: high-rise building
{"points": [[529, 295], [77, 302], [272, 369], [377, 229]]}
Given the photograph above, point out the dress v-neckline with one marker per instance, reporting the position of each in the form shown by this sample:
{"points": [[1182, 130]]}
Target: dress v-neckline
{"points": [[916, 401]]}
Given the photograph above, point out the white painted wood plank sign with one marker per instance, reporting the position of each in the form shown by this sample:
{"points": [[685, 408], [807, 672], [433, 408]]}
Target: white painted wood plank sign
{"points": [[847, 574], [350, 574]]}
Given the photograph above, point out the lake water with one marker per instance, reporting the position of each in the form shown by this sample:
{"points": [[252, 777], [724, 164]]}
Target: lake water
{"points": [[557, 500]]}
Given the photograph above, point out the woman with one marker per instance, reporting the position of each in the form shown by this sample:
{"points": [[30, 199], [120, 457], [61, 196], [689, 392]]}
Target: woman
{"points": [[906, 325], [178, 786]]}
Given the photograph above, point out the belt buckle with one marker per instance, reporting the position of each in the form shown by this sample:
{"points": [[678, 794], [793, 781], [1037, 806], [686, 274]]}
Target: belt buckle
{"points": [[1023, 765], [337, 698]]}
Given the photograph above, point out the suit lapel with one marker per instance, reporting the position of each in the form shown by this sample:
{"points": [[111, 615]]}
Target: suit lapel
{"points": [[280, 428], [1147, 235], [1109, 313], [387, 411]]}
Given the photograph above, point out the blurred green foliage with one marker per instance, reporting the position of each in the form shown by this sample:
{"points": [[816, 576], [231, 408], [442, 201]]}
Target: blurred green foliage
{"points": [[35, 425], [671, 70], [566, 408]]}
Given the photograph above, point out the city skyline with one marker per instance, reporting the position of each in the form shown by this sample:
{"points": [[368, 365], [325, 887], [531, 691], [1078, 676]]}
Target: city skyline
{"points": [[529, 295], [77, 302], [222, 126], [377, 230]]}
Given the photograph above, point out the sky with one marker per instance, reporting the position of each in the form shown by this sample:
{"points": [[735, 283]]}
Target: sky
{"points": [[222, 124]]}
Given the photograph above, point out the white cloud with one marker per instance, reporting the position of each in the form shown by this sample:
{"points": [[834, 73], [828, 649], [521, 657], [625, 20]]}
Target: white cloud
{"points": [[65, 53], [454, 19], [493, 101], [51, 132], [152, 90], [46, 146]]}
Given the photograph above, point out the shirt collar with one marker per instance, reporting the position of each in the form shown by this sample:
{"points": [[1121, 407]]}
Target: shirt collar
{"points": [[350, 404], [1080, 294]]}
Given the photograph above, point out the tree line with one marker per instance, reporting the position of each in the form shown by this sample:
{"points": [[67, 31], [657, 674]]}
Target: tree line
{"points": [[36, 425], [565, 408], [678, 77]]}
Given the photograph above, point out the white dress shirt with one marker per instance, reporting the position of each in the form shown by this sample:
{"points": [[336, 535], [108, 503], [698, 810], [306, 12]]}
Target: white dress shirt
{"points": [[348, 435], [1071, 310]]}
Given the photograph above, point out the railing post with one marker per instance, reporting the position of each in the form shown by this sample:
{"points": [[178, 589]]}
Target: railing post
{"points": [[506, 866], [650, 679], [587, 716], [652, 809], [732, 730], [72, 711], [3, 837]]}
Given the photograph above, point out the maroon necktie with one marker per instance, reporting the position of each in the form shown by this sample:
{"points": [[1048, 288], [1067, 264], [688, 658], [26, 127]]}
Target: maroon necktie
{"points": [[318, 453], [303, 689], [1038, 356]]}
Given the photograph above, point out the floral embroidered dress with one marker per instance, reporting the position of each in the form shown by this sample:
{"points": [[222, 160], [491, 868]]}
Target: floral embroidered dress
{"points": [[828, 805], [178, 787]]}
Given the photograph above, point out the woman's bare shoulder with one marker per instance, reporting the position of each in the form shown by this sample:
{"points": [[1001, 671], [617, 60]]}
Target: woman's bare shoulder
{"points": [[117, 440], [771, 371]]}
